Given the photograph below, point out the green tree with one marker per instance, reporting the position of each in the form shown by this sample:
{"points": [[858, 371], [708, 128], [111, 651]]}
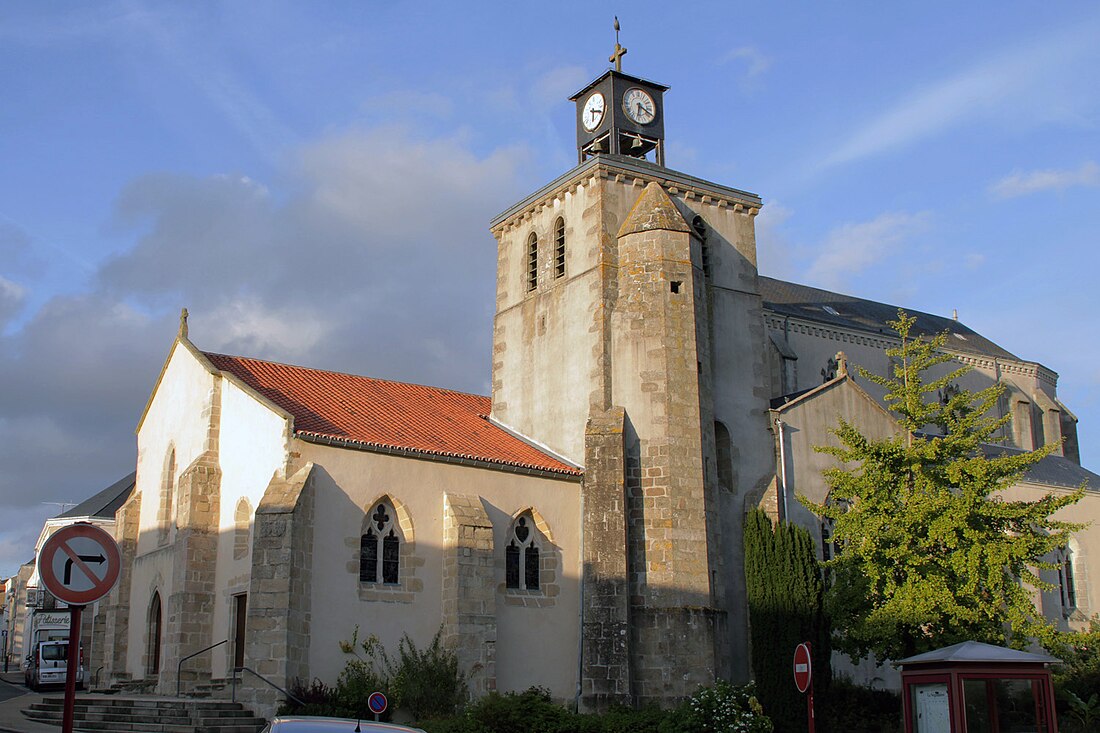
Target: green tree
{"points": [[784, 589], [931, 553]]}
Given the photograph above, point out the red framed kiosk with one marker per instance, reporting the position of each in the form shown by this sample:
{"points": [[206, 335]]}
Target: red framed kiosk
{"points": [[977, 688]]}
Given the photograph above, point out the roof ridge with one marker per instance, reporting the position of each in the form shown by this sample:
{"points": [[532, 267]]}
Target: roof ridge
{"points": [[344, 374]]}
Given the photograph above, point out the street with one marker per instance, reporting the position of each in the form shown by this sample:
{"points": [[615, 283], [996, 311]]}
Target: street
{"points": [[8, 690]]}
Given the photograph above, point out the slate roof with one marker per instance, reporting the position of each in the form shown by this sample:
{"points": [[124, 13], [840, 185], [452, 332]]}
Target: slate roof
{"points": [[801, 301], [390, 416], [106, 502], [1051, 471]]}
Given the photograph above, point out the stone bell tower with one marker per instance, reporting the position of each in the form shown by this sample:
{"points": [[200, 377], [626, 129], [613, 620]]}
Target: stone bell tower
{"points": [[628, 325]]}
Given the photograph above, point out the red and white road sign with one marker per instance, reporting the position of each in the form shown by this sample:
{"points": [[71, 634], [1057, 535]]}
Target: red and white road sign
{"points": [[79, 564], [803, 667]]}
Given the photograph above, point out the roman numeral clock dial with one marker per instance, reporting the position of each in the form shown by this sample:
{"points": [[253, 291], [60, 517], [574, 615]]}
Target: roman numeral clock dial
{"points": [[639, 106]]}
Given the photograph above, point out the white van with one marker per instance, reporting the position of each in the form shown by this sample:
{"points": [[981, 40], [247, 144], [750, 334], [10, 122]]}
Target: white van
{"points": [[47, 664]]}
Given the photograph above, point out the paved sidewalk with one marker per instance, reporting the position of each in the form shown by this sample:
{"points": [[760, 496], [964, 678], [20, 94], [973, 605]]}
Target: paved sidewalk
{"points": [[11, 719]]}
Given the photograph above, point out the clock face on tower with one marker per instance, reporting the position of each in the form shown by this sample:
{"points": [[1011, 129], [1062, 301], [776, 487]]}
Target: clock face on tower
{"points": [[639, 106], [592, 114]]}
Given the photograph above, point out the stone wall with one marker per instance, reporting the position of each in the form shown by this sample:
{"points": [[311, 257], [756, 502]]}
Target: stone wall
{"points": [[279, 601], [189, 614], [660, 344], [116, 623], [469, 590], [605, 644]]}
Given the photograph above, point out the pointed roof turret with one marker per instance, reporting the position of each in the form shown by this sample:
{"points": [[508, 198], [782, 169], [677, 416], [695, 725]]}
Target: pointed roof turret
{"points": [[654, 210]]}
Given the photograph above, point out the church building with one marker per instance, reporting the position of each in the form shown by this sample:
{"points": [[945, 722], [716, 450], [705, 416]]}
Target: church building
{"points": [[579, 528]]}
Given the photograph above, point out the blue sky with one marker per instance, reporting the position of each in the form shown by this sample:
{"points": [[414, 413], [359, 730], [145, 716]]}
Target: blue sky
{"points": [[314, 182]]}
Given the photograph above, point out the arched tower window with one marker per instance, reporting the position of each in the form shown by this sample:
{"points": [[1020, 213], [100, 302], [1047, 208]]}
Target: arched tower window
{"points": [[152, 655], [380, 546], [559, 247], [167, 497], [532, 262], [522, 558], [700, 228], [242, 521]]}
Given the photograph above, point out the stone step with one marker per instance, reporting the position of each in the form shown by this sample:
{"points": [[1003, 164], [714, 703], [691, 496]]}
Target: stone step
{"points": [[157, 715]]}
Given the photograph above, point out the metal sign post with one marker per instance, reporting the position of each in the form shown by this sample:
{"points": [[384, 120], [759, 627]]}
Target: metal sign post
{"points": [[79, 564], [804, 679]]}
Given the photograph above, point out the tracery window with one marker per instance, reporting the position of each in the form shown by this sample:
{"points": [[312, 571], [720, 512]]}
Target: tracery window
{"points": [[532, 262], [521, 556], [381, 534], [559, 247]]}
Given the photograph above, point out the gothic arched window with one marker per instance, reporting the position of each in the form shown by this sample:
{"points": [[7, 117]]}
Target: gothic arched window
{"points": [[167, 497], [242, 520], [152, 654], [380, 530], [559, 247], [522, 568], [532, 262], [1067, 579]]}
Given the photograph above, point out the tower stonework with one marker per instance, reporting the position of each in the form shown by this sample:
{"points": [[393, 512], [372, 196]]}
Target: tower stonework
{"points": [[624, 362]]}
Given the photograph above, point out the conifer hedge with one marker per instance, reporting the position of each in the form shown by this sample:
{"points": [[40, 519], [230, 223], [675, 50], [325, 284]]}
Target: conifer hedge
{"points": [[785, 589]]}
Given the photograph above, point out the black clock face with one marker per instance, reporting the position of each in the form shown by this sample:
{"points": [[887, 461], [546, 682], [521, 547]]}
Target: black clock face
{"points": [[639, 106]]}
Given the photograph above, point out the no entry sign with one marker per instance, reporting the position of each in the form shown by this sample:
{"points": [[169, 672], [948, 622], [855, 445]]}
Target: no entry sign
{"points": [[79, 564], [803, 667]]}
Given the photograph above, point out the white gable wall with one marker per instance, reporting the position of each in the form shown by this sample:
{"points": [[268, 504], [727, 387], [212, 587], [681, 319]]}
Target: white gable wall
{"points": [[252, 447], [174, 419]]}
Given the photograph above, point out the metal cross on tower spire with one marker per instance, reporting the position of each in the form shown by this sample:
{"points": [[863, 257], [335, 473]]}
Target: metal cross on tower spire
{"points": [[620, 51]]}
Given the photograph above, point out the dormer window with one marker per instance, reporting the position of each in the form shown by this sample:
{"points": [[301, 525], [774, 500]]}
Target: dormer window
{"points": [[532, 262]]}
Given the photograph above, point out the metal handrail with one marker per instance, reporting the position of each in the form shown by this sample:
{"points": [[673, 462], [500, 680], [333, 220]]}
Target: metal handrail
{"points": [[95, 677], [179, 667], [233, 697]]}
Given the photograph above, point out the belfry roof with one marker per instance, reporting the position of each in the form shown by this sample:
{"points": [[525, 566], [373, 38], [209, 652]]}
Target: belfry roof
{"points": [[376, 414]]}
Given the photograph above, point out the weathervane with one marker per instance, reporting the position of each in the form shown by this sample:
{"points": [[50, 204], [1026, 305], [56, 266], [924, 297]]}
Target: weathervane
{"points": [[620, 51]]}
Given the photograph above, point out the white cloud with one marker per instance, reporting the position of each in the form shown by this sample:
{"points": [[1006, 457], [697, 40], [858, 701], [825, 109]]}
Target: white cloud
{"points": [[755, 62], [1021, 184], [374, 258], [1018, 84], [253, 326], [853, 248], [553, 86], [12, 295]]}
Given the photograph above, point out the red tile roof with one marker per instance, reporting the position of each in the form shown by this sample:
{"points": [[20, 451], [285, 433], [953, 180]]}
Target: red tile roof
{"points": [[376, 413]]}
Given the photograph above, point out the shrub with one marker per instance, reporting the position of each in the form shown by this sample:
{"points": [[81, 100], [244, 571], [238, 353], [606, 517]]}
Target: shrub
{"points": [[530, 711], [723, 708], [851, 708], [363, 674], [319, 699], [427, 683], [785, 592], [1077, 679]]}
